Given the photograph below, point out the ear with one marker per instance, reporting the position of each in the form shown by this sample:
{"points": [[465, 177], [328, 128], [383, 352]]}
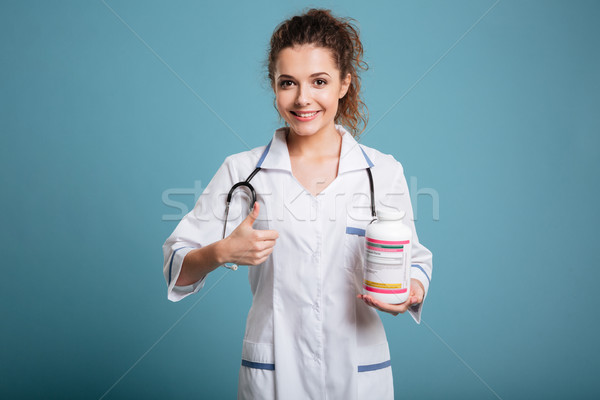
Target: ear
{"points": [[345, 85]]}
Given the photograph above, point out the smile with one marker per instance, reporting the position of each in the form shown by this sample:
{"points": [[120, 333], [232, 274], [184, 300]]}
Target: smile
{"points": [[305, 116]]}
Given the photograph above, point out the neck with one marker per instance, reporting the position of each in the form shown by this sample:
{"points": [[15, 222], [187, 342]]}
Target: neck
{"points": [[326, 142]]}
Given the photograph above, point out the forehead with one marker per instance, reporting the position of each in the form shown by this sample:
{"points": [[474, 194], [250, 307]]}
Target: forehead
{"points": [[305, 60]]}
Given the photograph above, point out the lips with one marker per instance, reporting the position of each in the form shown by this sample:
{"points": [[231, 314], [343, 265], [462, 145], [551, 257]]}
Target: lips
{"points": [[305, 115]]}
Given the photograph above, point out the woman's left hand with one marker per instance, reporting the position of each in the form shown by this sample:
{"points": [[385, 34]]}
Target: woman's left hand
{"points": [[416, 296]]}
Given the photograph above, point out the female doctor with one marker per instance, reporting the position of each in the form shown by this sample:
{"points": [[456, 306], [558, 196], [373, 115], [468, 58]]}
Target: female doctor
{"points": [[310, 333]]}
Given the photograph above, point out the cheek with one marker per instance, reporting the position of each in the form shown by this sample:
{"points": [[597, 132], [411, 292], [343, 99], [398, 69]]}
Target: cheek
{"points": [[328, 99], [283, 99], [280, 107]]}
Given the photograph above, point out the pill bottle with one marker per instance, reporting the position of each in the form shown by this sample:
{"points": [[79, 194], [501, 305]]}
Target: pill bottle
{"points": [[387, 270]]}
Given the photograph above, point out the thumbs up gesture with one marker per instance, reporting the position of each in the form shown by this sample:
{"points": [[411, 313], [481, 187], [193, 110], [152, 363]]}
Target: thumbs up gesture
{"points": [[249, 246]]}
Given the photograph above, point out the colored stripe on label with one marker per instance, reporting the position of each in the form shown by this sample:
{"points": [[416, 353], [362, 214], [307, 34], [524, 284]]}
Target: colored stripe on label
{"points": [[383, 285], [389, 242], [384, 246], [385, 291], [396, 250]]}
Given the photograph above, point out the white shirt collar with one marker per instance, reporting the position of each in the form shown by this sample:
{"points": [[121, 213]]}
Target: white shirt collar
{"points": [[352, 155]]}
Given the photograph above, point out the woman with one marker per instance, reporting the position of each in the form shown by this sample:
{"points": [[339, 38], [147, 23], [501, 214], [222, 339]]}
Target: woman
{"points": [[310, 333]]}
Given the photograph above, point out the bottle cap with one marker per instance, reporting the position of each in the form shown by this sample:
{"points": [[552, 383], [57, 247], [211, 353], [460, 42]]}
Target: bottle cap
{"points": [[390, 215]]}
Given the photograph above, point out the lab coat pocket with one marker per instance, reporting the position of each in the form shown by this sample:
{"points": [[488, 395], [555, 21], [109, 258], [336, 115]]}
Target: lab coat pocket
{"points": [[257, 378], [354, 248], [375, 380]]}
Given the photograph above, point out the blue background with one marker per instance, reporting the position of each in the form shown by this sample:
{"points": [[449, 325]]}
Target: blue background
{"points": [[96, 129]]}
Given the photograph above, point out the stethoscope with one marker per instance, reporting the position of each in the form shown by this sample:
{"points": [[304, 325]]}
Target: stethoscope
{"points": [[250, 188]]}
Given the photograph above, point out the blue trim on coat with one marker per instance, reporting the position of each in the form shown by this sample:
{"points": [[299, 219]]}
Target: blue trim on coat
{"points": [[374, 367], [355, 231], [366, 157], [421, 268], [257, 365], [361, 368], [264, 155], [171, 263]]}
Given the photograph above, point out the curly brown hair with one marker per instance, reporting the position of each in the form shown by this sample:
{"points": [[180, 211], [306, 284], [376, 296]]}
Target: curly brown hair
{"points": [[319, 27]]}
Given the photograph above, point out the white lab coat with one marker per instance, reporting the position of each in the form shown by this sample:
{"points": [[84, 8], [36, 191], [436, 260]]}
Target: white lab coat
{"points": [[307, 335]]}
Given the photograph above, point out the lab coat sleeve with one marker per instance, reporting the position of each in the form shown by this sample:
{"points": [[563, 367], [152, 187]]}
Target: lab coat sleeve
{"points": [[201, 226], [421, 261]]}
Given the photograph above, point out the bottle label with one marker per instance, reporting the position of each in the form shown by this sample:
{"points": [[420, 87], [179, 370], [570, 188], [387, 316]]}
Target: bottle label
{"points": [[386, 269], [386, 288], [386, 249]]}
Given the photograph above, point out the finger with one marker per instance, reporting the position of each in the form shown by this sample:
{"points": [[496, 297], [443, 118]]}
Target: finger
{"points": [[269, 243], [366, 299], [253, 214], [418, 295], [264, 253], [270, 246], [264, 257], [267, 235], [264, 245], [376, 303], [416, 285], [258, 257], [262, 260]]}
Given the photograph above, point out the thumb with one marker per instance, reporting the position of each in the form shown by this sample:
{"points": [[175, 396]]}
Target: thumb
{"points": [[253, 214]]}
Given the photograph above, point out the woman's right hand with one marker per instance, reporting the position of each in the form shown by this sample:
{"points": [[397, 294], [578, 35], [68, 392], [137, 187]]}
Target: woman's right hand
{"points": [[249, 246]]}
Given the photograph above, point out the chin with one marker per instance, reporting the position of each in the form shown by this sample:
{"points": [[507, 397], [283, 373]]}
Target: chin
{"points": [[306, 128], [303, 130]]}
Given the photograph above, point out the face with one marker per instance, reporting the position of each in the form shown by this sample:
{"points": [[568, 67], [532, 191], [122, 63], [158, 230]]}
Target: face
{"points": [[308, 88]]}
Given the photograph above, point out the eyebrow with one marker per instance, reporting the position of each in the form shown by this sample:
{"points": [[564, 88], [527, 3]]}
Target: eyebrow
{"points": [[312, 75]]}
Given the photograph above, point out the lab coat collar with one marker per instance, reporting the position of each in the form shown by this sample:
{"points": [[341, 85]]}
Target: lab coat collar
{"points": [[276, 155], [352, 155]]}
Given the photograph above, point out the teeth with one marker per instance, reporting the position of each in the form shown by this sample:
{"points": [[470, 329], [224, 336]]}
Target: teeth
{"points": [[306, 115]]}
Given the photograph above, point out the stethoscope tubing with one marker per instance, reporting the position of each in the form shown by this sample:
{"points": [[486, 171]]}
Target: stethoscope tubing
{"points": [[249, 186]]}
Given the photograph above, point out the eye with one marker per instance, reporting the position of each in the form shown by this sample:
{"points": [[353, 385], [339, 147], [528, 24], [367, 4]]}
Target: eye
{"points": [[284, 84], [320, 82]]}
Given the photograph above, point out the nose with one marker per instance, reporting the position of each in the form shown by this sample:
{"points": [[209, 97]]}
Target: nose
{"points": [[302, 96]]}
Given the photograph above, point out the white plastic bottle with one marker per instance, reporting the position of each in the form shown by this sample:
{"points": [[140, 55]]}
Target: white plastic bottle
{"points": [[387, 272]]}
